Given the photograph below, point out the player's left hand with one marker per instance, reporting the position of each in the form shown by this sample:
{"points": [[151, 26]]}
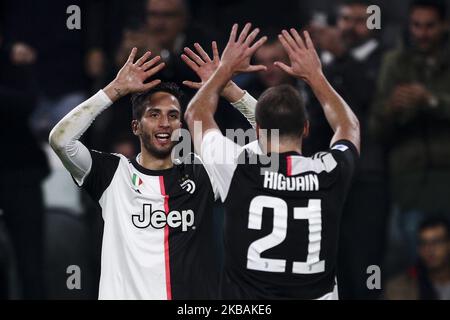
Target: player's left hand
{"points": [[238, 52], [201, 64]]}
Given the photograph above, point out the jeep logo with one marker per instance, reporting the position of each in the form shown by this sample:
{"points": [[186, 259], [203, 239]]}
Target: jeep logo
{"points": [[158, 218]]}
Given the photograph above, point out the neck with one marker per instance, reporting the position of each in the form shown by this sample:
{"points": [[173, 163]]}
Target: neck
{"points": [[282, 146], [148, 161], [441, 275]]}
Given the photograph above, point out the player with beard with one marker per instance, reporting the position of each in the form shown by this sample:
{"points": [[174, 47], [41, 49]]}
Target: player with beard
{"points": [[158, 232]]}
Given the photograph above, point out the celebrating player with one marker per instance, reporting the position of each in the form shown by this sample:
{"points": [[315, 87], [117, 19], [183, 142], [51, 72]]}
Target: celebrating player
{"points": [[281, 225], [158, 232]]}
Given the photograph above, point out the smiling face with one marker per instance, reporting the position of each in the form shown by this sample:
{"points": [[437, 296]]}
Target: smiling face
{"points": [[160, 118]]}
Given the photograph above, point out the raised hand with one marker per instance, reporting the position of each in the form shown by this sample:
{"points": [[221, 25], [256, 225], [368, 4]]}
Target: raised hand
{"points": [[238, 52], [201, 64], [305, 63], [131, 78]]}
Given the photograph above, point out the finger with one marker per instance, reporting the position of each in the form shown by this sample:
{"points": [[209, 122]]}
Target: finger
{"points": [[244, 32], [132, 55], [154, 70], [257, 45], [202, 52], [309, 42], [142, 59], [284, 67], [150, 63], [233, 33], [256, 68], [298, 38], [286, 45], [290, 40], [215, 51], [251, 37], [193, 56], [152, 84], [192, 85], [191, 64]]}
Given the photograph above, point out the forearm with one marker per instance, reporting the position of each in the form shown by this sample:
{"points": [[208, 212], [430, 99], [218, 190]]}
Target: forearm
{"points": [[339, 115], [115, 90], [64, 138], [232, 92], [247, 106], [203, 105], [241, 100]]}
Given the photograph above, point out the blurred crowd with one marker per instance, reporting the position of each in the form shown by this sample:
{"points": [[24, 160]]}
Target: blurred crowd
{"points": [[396, 79]]}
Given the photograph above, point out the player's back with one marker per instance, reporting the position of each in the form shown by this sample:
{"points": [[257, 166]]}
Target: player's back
{"points": [[282, 223]]}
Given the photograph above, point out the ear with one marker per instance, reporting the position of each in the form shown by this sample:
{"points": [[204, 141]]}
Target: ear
{"points": [[135, 127], [306, 129]]}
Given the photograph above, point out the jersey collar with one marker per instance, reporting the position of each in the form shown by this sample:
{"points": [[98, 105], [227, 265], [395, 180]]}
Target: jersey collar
{"points": [[149, 172]]}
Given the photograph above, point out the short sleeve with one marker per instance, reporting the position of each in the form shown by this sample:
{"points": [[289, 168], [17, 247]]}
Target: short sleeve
{"points": [[220, 158], [103, 169], [346, 155]]}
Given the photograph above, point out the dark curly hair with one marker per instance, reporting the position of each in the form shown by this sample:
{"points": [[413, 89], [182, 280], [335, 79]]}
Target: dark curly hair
{"points": [[139, 100]]}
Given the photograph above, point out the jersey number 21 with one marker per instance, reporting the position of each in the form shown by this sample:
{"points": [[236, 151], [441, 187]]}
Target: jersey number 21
{"points": [[312, 213]]}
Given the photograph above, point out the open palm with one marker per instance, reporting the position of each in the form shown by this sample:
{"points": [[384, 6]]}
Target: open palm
{"points": [[305, 63], [239, 50], [201, 64], [131, 78]]}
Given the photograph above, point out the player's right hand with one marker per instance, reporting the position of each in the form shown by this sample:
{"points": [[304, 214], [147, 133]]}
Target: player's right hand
{"points": [[133, 75], [239, 50]]}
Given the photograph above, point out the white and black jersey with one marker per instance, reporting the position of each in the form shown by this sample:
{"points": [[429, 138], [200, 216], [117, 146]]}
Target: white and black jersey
{"points": [[281, 223], [158, 231]]}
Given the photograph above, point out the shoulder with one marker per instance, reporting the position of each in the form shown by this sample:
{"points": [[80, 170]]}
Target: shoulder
{"points": [[102, 172], [339, 161], [105, 156]]}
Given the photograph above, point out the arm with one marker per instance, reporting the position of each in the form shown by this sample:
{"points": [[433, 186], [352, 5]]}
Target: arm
{"points": [[205, 67], [247, 106], [305, 65], [64, 138], [235, 58]]}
